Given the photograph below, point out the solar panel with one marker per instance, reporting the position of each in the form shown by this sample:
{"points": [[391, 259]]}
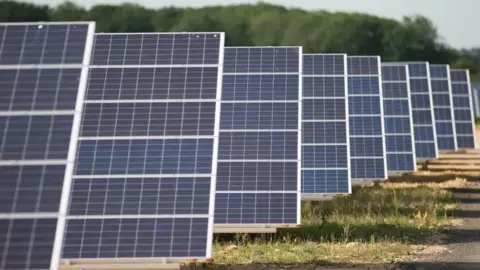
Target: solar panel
{"points": [[144, 178], [259, 146], [325, 144], [399, 139], [463, 108], [422, 112], [42, 79], [365, 113], [442, 107]]}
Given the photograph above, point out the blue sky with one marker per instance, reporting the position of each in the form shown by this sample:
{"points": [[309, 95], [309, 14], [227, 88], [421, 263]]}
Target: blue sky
{"points": [[457, 21]]}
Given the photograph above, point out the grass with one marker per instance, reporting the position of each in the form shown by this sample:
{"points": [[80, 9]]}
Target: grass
{"points": [[376, 224]]}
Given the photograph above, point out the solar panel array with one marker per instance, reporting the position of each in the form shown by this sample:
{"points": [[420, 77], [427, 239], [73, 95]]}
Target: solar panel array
{"points": [[367, 140], [258, 180], [133, 145], [400, 147], [144, 175], [463, 108], [423, 119], [41, 76], [325, 144], [442, 107]]}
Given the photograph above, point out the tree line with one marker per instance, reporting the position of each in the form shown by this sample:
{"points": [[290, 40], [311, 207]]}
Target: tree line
{"points": [[414, 38]]}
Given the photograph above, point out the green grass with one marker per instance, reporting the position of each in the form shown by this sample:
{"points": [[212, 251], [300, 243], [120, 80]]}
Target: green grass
{"points": [[374, 224]]}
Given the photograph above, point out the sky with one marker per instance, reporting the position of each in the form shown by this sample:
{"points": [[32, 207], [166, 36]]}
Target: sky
{"points": [[452, 18]]}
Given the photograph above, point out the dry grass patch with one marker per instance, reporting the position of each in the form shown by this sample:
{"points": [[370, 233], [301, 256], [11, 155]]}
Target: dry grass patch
{"points": [[311, 252], [454, 183], [376, 224]]}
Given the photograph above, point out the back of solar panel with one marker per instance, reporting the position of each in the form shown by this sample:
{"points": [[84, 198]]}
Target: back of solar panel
{"points": [[260, 136], [463, 108], [144, 177], [365, 116], [43, 70], [325, 143]]}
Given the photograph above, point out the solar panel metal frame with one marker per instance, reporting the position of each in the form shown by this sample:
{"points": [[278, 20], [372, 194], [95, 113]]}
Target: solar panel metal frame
{"points": [[410, 117], [60, 215], [261, 227], [382, 122], [434, 106], [320, 196], [471, 104], [66, 193]]}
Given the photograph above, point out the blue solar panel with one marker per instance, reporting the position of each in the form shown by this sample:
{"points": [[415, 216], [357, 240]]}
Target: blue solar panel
{"points": [[442, 107], [42, 78], [400, 145], [365, 114], [463, 108], [258, 176], [422, 112], [145, 173], [325, 144]]}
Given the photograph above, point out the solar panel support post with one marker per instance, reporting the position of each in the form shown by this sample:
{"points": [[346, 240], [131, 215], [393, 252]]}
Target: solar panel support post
{"points": [[476, 102], [382, 118], [213, 189], [452, 111], [72, 151], [299, 133], [469, 86], [409, 100], [347, 125], [430, 95]]}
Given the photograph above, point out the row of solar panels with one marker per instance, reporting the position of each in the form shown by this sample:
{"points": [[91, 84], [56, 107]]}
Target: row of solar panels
{"points": [[137, 145]]}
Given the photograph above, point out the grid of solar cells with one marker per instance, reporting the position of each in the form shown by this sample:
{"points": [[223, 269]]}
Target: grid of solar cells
{"points": [[400, 145], [424, 129], [325, 144], [40, 77], [144, 176], [463, 108], [365, 113], [442, 107], [258, 179]]}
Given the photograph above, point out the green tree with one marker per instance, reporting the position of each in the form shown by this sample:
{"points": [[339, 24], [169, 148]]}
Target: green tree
{"points": [[12, 11]]}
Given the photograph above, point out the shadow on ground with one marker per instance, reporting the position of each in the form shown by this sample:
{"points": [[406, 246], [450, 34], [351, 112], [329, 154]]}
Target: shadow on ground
{"points": [[330, 266], [433, 178]]}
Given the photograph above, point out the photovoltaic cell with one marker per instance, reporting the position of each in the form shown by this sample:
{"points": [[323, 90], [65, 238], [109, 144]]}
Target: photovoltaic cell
{"points": [[424, 129], [463, 108], [325, 143], [365, 114], [442, 107], [41, 74], [146, 159], [258, 171], [26, 243], [400, 146]]}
